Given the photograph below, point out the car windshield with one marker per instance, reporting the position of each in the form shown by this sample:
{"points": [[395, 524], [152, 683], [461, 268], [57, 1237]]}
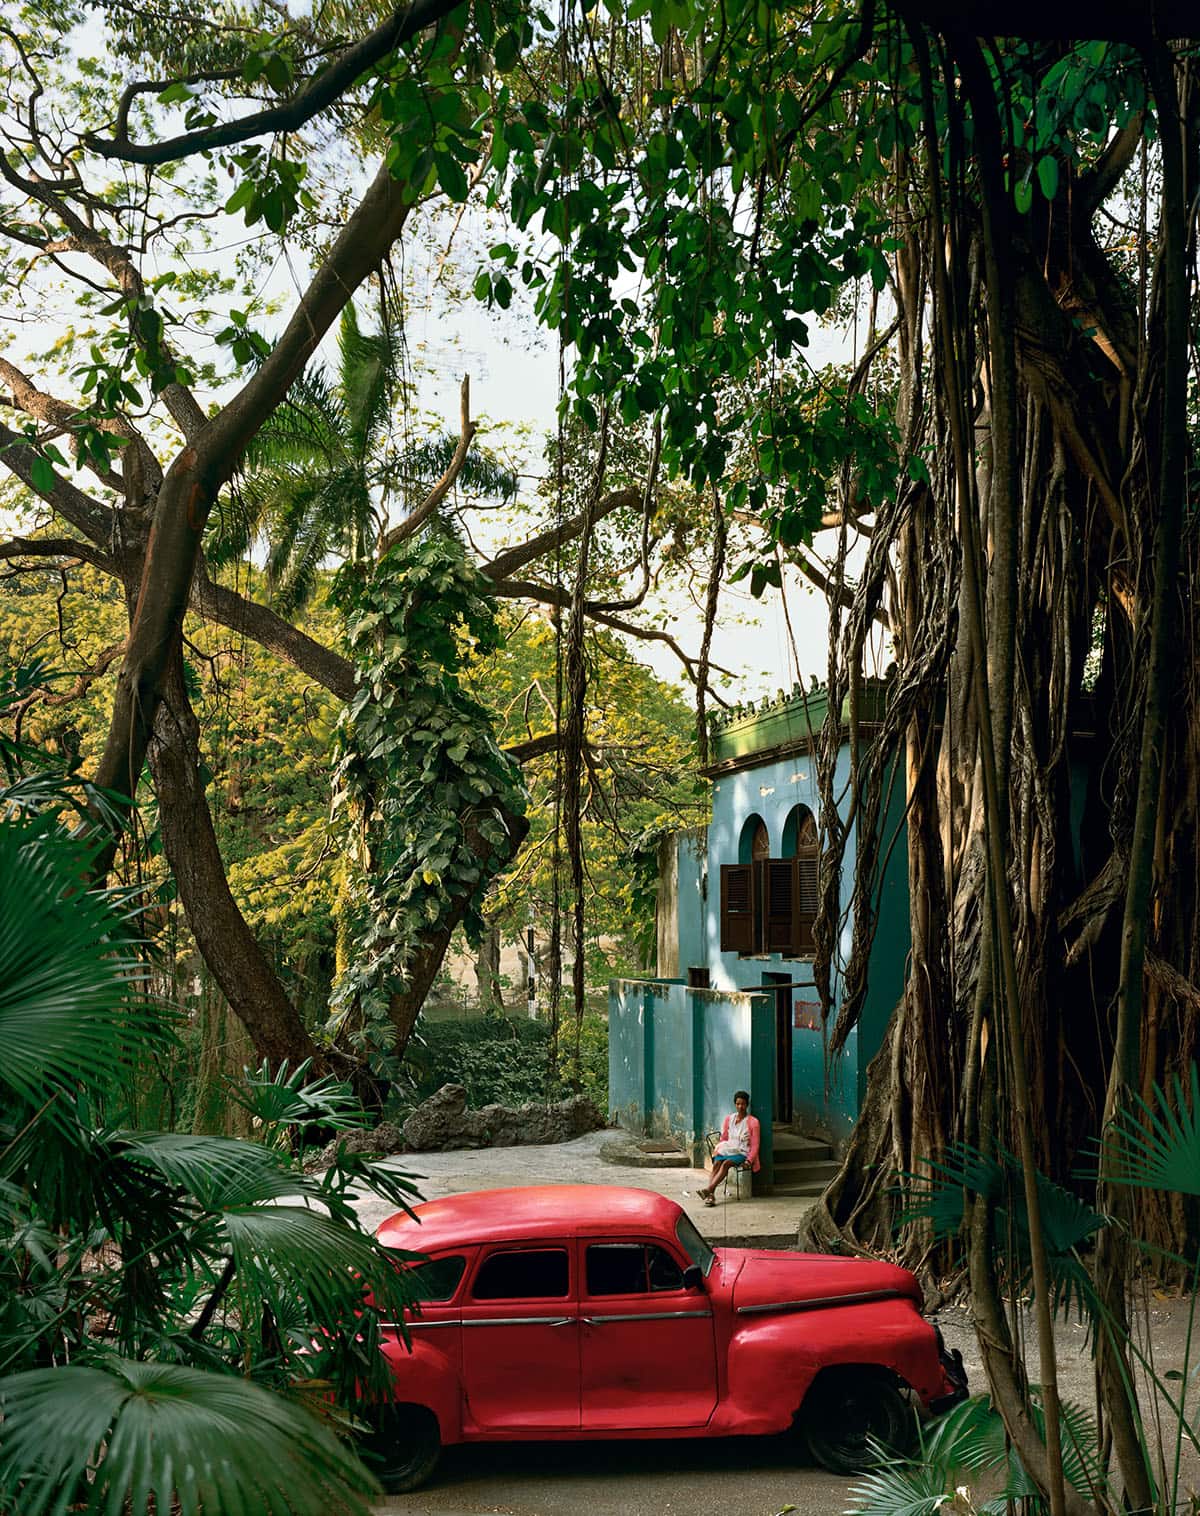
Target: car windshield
{"points": [[693, 1244]]}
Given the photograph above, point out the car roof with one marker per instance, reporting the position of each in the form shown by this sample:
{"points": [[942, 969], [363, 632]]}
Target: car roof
{"points": [[530, 1212]]}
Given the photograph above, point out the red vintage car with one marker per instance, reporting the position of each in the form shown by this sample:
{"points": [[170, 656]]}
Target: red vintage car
{"points": [[583, 1311]]}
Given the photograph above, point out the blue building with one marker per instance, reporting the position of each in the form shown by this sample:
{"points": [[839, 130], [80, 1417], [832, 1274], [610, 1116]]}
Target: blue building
{"points": [[734, 1004]]}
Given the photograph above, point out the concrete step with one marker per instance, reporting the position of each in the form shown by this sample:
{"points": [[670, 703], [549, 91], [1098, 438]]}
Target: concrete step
{"points": [[804, 1173], [796, 1191], [788, 1145]]}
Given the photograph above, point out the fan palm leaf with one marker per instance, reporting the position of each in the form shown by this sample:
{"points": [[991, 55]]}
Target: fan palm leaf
{"points": [[939, 1194], [424, 463], [72, 1011], [171, 1434], [1156, 1144]]}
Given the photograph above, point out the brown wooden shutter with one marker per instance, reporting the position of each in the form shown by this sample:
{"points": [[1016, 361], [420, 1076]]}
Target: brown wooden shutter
{"points": [[779, 906], [807, 867], [738, 899]]}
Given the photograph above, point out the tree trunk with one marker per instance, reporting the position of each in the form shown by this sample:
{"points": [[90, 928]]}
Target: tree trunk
{"points": [[487, 968], [226, 943]]}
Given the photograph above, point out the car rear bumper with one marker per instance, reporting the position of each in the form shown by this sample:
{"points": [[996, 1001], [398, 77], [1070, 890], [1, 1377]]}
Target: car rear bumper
{"points": [[954, 1377]]}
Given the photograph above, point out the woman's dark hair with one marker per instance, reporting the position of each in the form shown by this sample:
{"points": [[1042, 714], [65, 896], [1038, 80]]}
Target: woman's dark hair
{"points": [[741, 1095]]}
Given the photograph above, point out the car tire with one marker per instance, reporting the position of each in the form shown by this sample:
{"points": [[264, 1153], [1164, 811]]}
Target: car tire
{"points": [[847, 1410], [402, 1446]]}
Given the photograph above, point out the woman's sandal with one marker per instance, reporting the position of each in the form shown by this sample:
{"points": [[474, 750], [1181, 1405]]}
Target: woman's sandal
{"points": [[708, 1199]]}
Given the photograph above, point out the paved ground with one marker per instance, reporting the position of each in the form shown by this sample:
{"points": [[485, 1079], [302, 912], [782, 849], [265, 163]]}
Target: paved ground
{"points": [[754, 1476], [769, 1222]]}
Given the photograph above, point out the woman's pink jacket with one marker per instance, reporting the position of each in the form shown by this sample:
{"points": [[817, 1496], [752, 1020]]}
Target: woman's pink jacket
{"points": [[755, 1134]]}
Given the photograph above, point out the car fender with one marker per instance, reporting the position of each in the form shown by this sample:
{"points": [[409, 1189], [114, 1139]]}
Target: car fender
{"points": [[427, 1373], [787, 1349]]}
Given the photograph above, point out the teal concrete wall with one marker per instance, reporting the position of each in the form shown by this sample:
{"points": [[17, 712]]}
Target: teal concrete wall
{"points": [[696, 1048], [824, 1099], [691, 852], [676, 1055]]}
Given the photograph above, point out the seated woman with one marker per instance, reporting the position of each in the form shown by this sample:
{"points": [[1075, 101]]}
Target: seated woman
{"points": [[738, 1145]]}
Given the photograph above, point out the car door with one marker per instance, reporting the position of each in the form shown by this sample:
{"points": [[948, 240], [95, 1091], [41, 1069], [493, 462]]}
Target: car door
{"points": [[647, 1345], [520, 1340]]}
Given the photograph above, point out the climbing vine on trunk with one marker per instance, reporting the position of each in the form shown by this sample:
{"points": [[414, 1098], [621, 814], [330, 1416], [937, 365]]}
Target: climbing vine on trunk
{"points": [[428, 807]]}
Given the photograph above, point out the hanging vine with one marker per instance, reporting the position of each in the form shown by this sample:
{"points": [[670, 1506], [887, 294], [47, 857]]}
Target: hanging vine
{"points": [[429, 807]]}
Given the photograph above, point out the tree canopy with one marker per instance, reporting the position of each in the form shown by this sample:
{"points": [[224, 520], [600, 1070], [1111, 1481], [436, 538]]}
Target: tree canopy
{"points": [[1005, 202]]}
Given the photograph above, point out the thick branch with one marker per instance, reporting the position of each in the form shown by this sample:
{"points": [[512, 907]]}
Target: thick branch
{"points": [[62, 549], [533, 747], [60, 413], [1098, 184], [227, 944], [217, 602], [442, 488], [97, 522], [178, 399], [321, 91], [199, 472], [507, 563]]}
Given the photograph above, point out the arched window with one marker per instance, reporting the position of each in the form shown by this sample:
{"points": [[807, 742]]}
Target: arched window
{"points": [[801, 843], [768, 905], [754, 844]]}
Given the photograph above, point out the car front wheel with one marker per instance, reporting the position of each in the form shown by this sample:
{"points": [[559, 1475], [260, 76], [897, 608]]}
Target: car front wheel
{"points": [[850, 1413], [402, 1447]]}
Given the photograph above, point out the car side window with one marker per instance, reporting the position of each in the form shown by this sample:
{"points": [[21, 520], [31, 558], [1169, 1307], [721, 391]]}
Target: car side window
{"points": [[438, 1279], [630, 1268], [528, 1274], [664, 1273]]}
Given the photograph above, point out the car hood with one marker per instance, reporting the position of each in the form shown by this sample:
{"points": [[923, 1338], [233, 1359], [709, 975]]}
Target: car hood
{"points": [[760, 1280]]}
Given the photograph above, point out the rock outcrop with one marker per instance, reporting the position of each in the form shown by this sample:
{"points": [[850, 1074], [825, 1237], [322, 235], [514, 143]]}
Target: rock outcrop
{"points": [[443, 1122]]}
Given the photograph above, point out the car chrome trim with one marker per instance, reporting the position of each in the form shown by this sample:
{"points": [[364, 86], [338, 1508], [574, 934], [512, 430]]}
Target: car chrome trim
{"points": [[399, 1326], [520, 1321], [820, 1302], [647, 1316]]}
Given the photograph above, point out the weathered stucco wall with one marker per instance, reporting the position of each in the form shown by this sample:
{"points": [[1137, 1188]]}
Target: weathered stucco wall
{"points": [[676, 1055]]}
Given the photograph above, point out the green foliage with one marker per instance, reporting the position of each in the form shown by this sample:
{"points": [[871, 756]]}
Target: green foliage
{"points": [[158, 1290], [940, 1194], [427, 800], [505, 1060], [188, 1440], [496, 1059], [1156, 1145], [969, 1446], [281, 1102], [641, 780]]}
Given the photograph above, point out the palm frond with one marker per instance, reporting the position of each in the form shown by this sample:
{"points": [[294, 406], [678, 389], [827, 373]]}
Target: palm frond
{"points": [[939, 1192], [1156, 1145], [72, 1015], [306, 430], [482, 474], [909, 1490], [291, 1251], [231, 529], [368, 380], [161, 1432], [216, 1172], [288, 1099]]}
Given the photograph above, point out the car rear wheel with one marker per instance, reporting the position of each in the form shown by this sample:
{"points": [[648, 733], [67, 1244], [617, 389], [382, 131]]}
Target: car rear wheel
{"points": [[848, 1412], [402, 1447]]}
